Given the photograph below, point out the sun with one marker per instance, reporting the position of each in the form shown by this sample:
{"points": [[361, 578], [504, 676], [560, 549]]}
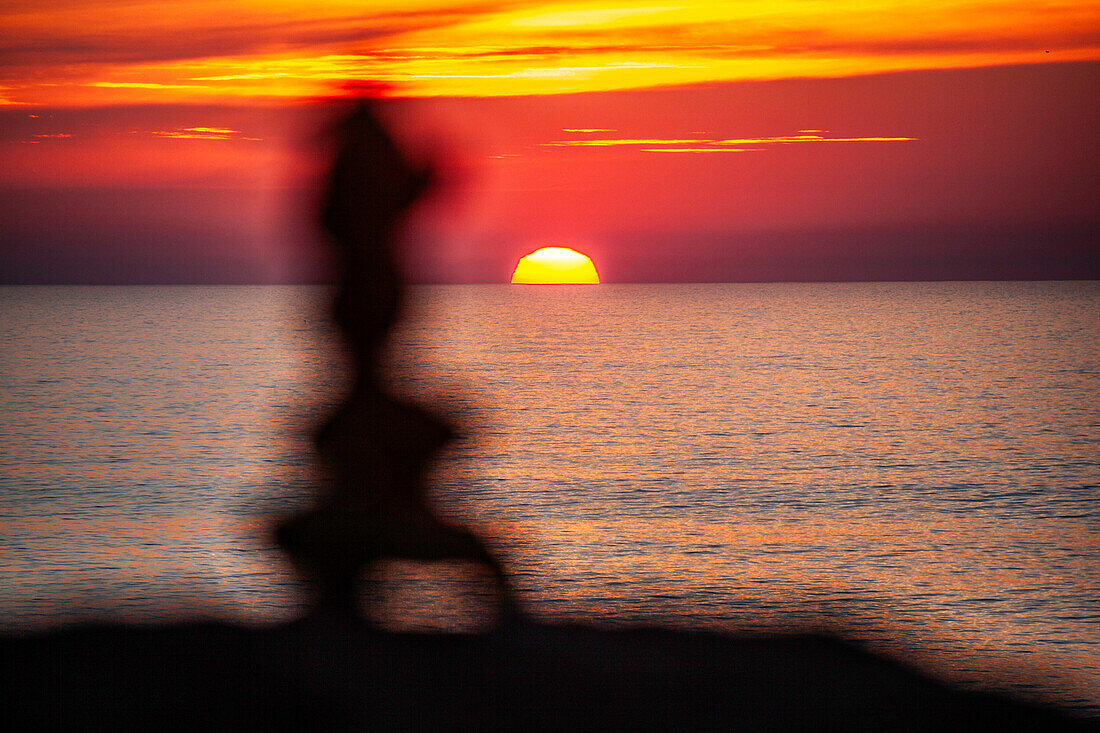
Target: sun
{"points": [[555, 266]]}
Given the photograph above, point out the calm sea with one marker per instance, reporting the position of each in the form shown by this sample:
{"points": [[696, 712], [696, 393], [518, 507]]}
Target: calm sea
{"points": [[915, 466]]}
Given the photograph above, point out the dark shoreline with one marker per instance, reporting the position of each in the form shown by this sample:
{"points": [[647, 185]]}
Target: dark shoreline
{"points": [[326, 676]]}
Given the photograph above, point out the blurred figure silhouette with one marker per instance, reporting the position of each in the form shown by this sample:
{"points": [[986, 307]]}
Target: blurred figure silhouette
{"points": [[376, 448]]}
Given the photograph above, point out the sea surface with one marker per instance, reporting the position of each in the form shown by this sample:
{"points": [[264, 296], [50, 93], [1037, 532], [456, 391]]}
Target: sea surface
{"points": [[912, 465]]}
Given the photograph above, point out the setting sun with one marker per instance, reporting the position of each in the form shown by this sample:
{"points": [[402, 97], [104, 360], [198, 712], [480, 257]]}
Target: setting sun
{"points": [[555, 266]]}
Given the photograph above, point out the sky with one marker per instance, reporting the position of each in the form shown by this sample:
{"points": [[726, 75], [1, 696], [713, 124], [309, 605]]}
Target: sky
{"points": [[181, 142]]}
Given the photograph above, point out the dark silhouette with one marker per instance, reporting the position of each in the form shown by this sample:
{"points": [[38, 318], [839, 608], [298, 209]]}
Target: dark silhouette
{"points": [[376, 447], [332, 673]]}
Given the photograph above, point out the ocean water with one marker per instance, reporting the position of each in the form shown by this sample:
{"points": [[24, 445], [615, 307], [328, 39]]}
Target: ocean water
{"points": [[912, 465]]}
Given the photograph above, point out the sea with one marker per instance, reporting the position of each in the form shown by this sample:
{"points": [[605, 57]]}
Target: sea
{"points": [[912, 466]]}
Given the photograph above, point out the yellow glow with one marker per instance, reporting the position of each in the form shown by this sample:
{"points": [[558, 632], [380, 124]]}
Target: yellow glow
{"points": [[555, 266], [74, 53], [588, 17], [620, 141]]}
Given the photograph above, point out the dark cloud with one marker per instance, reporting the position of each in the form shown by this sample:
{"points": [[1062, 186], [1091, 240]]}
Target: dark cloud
{"points": [[740, 41], [898, 253], [155, 43], [1028, 40]]}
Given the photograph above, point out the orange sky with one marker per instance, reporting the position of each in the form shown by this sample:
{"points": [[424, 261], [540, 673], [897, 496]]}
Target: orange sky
{"points": [[84, 52], [165, 141]]}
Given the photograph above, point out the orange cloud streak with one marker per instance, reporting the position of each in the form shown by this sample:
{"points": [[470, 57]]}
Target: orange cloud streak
{"points": [[717, 145], [203, 133], [82, 53]]}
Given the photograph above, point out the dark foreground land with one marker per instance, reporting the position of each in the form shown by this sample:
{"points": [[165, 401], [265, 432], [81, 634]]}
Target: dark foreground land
{"points": [[317, 676]]}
